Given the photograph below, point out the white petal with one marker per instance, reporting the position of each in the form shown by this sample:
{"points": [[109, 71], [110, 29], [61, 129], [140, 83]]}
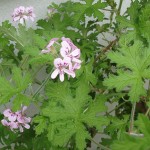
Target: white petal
{"points": [[70, 72], [76, 52], [21, 128], [45, 51], [64, 52], [54, 74], [24, 108], [76, 60], [22, 21], [16, 18], [61, 77]]}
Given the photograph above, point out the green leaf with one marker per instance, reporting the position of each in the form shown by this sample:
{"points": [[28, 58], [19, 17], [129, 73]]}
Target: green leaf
{"points": [[133, 60], [42, 124], [14, 88], [129, 142], [87, 8], [70, 112]]}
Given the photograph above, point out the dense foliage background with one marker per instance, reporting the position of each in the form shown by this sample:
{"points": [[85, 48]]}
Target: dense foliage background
{"points": [[72, 112]]}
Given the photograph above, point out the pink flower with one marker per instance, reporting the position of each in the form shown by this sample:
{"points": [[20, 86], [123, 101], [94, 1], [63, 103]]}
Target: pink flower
{"points": [[30, 14], [51, 43], [75, 66], [61, 69], [21, 118], [21, 14], [16, 120], [11, 116], [51, 10], [67, 51], [68, 40], [13, 125]]}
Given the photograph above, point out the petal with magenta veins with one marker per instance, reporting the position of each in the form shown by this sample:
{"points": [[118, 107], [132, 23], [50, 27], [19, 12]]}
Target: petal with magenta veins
{"points": [[75, 53], [51, 42], [7, 112], [66, 46], [69, 72], [12, 117], [64, 52], [58, 62], [13, 125]]}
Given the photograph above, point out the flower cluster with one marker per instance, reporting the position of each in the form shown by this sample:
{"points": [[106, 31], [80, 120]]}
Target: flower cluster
{"points": [[21, 14], [69, 60], [16, 120]]}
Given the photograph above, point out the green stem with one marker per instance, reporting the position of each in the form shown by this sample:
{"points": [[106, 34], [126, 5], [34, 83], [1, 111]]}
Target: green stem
{"points": [[132, 117], [42, 85], [148, 96], [7, 32], [100, 145], [147, 112], [24, 61]]}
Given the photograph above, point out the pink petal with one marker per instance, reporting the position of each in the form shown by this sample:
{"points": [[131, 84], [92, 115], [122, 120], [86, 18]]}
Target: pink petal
{"points": [[20, 119], [76, 60], [76, 52], [22, 9], [54, 74], [76, 66], [4, 122], [26, 126], [64, 52], [71, 73], [58, 62], [16, 18], [66, 60], [27, 119], [13, 125], [29, 9], [12, 117], [66, 45], [51, 42], [7, 112]]}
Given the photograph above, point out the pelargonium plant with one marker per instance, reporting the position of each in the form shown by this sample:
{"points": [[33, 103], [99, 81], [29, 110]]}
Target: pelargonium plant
{"points": [[85, 72]]}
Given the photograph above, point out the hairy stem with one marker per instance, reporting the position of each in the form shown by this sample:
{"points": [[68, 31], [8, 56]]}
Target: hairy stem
{"points": [[105, 50], [132, 117], [119, 8], [147, 112], [148, 96], [116, 107], [42, 85]]}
